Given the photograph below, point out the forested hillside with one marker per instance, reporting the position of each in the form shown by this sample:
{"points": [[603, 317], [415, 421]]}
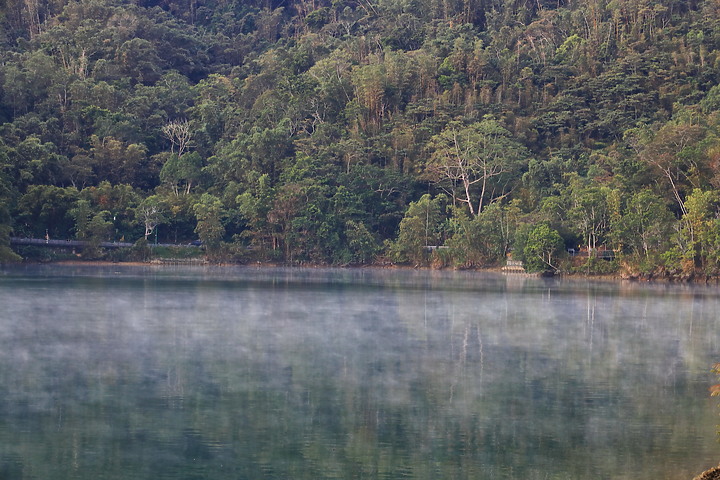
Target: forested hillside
{"points": [[347, 131]]}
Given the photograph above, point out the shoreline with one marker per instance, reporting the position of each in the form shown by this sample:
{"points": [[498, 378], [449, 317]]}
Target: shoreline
{"points": [[615, 278]]}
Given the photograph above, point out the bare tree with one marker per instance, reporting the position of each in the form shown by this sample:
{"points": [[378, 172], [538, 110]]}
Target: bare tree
{"points": [[180, 135], [152, 213]]}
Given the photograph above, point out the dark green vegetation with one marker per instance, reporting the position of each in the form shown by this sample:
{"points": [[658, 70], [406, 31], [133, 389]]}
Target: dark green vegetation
{"points": [[357, 131]]}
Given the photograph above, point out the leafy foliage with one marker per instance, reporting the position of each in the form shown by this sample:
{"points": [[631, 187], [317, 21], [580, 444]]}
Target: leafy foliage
{"points": [[542, 247], [317, 131]]}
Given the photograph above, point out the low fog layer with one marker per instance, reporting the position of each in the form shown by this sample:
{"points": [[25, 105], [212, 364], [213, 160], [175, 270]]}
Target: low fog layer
{"points": [[316, 373]]}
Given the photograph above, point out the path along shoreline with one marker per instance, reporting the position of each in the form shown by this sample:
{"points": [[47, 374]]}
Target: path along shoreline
{"points": [[165, 262]]}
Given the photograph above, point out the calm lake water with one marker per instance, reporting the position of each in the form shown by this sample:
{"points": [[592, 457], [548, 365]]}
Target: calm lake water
{"points": [[125, 372]]}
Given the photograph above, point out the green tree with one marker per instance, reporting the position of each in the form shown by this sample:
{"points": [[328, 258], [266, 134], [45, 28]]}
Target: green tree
{"points": [[254, 205], [120, 201], [82, 214], [669, 152], [361, 242], [6, 228], [289, 199], [36, 162], [45, 209], [697, 227], [646, 225], [480, 240], [182, 171], [180, 219], [96, 229], [421, 227], [209, 213], [592, 209], [542, 247], [100, 227], [115, 162]]}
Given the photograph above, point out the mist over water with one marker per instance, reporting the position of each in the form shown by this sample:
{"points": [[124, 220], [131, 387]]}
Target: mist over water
{"points": [[137, 372]]}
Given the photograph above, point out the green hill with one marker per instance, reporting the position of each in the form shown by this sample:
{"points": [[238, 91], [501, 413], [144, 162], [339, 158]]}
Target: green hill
{"points": [[350, 132]]}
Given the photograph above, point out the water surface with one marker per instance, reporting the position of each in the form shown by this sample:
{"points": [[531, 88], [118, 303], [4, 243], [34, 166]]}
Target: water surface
{"points": [[123, 372]]}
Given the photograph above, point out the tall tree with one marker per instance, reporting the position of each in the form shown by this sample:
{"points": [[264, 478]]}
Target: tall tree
{"points": [[477, 164], [646, 225], [209, 212], [668, 152], [422, 227], [151, 213]]}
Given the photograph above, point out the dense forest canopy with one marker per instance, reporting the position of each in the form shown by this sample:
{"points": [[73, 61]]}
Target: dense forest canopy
{"points": [[343, 131]]}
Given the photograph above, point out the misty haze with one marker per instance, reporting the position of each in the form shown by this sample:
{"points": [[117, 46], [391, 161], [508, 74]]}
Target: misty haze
{"points": [[120, 372]]}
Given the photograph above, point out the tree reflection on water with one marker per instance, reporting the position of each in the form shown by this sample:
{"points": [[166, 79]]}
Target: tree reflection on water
{"points": [[244, 373]]}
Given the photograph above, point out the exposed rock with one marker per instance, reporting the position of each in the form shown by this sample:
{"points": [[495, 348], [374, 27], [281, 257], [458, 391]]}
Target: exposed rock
{"points": [[712, 474]]}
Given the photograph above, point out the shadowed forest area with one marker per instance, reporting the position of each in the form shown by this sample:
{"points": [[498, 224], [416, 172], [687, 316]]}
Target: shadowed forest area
{"points": [[362, 131]]}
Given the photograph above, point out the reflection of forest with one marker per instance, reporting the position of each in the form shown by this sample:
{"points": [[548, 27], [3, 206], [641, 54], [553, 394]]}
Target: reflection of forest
{"points": [[353, 375]]}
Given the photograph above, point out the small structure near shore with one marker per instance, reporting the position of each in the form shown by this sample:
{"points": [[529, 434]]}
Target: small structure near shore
{"points": [[602, 252], [179, 261], [513, 266]]}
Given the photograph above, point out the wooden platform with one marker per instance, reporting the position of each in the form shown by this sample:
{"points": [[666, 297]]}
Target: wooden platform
{"points": [[513, 266]]}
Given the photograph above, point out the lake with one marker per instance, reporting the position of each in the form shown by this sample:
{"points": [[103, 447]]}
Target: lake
{"points": [[122, 372]]}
